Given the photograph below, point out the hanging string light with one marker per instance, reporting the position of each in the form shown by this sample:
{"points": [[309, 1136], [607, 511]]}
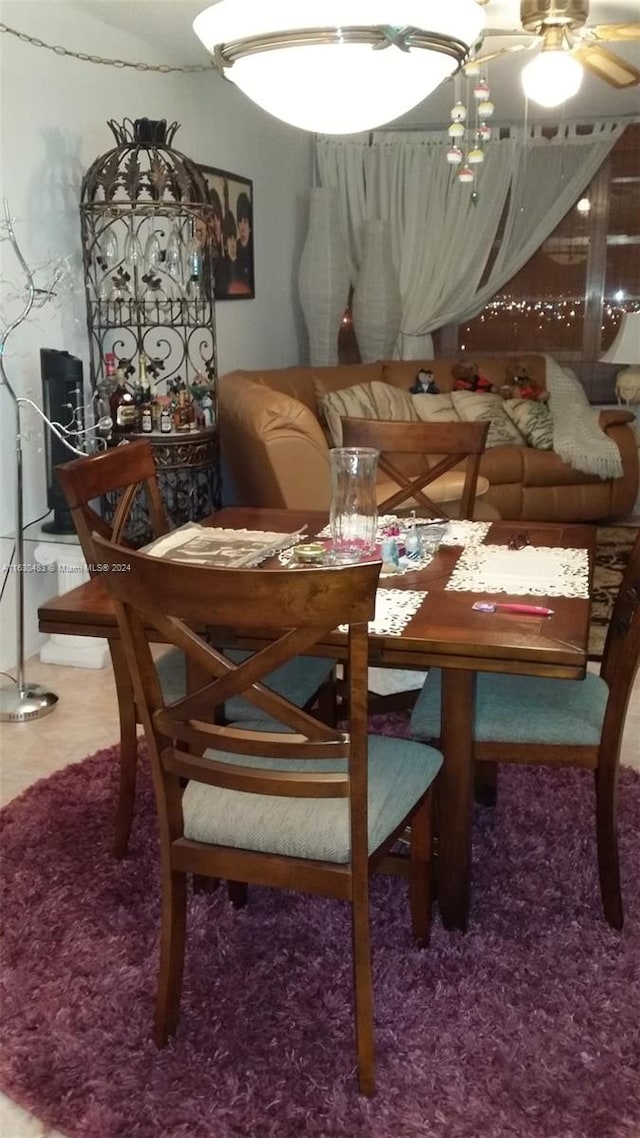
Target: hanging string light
{"points": [[469, 134]]}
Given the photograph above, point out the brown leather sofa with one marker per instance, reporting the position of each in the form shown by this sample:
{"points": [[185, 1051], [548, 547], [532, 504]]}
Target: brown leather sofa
{"points": [[277, 452]]}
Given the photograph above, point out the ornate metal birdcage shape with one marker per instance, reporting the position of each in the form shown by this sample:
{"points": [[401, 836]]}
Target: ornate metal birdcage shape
{"points": [[149, 257], [149, 254]]}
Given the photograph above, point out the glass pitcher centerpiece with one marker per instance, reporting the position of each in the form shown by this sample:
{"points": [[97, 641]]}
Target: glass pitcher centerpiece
{"points": [[354, 508]]}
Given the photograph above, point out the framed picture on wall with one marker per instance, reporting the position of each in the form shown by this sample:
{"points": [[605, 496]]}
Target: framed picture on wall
{"points": [[228, 231]]}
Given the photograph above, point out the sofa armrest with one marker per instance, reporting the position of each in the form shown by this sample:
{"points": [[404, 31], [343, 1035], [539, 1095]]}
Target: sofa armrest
{"points": [[624, 490], [273, 446], [612, 417]]}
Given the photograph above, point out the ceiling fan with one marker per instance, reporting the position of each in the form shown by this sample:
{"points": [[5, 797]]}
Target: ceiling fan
{"points": [[568, 44]]}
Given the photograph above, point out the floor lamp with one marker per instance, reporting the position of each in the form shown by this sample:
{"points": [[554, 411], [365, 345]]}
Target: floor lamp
{"points": [[24, 701]]}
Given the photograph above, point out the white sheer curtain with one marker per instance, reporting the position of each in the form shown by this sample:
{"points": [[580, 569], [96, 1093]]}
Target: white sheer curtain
{"points": [[443, 239]]}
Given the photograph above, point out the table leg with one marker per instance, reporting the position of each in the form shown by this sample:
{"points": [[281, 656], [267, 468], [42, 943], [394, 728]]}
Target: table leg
{"points": [[128, 749], [455, 797]]}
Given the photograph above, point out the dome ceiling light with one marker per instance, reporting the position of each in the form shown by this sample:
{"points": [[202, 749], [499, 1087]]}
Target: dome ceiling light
{"points": [[339, 66]]}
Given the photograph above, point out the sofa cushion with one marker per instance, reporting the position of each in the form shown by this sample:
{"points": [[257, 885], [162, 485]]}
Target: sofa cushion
{"points": [[472, 406], [533, 420], [366, 401], [502, 465], [435, 408]]}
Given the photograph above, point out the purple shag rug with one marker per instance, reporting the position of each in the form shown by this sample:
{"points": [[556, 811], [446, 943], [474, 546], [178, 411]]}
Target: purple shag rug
{"points": [[527, 1027]]}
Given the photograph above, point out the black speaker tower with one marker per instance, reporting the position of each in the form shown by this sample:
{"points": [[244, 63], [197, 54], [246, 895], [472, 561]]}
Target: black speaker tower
{"points": [[62, 389]]}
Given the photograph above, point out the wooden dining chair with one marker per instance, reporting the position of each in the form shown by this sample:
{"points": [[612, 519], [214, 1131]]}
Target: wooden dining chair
{"points": [[539, 721], [129, 471], [451, 493], [434, 488], [301, 805]]}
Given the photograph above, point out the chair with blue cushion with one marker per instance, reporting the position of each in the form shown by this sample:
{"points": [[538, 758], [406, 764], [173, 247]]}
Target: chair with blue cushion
{"points": [[129, 471], [534, 720], [286, 801]]}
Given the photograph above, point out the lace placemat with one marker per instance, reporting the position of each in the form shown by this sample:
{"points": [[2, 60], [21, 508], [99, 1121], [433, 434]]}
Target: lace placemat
{"points": [[458, 532], [540, 571], [466, 533], [394, 609]]}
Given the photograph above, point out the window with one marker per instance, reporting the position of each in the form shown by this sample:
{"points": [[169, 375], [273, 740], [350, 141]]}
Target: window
{"points": [[568, 299]]}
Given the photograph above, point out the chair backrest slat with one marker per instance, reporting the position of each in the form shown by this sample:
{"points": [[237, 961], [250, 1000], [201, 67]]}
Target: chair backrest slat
{"points": [[287, 784]]}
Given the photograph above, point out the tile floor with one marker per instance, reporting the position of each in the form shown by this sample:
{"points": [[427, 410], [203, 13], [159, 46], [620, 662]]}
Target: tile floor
{"points": [[84, 721]]}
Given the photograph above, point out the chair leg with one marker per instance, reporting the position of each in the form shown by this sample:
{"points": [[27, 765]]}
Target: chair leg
{"points": [[362, 988], [420, 855], [238, 893], [607, 839], [485, 783], [172, 945], [128, 751], [327, 701]]}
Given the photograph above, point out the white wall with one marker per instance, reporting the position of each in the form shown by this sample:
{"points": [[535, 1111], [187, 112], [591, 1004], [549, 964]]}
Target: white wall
{"points": [[53, 117]]}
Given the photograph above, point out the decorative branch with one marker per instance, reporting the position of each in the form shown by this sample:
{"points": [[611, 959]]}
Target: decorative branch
{"points": [[37, 297]]}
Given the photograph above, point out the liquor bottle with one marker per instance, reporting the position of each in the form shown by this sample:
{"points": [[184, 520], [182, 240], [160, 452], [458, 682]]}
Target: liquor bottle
{"points": [[144, 381], [142, 398], [122, 407], [166, 423], [110, 379]]}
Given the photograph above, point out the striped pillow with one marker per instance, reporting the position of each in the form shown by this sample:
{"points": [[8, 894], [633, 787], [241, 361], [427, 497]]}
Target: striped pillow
{"points": [[375, 400], [472, 406], [533, 420], [435, 408]]}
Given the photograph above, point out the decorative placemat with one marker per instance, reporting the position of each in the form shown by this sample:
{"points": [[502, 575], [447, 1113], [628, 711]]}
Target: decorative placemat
{"points": [[540, 571], [394, 609], [465, 533], [458, 532]]}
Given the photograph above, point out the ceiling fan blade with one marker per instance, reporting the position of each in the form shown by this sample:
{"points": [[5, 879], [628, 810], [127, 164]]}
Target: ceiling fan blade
{"points": [[612, 68], [480, 60], [611, 33]]}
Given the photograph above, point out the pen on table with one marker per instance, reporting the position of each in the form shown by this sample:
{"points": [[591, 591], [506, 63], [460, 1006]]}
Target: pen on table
{"points": [[523, 610]]}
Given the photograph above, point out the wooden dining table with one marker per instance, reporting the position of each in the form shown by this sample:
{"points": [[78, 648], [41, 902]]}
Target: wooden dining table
{"points": [[445, 631]]}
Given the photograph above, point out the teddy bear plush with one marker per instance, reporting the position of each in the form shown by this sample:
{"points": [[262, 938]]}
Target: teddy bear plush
{"points": [[424, 384], [519, 384], [466, 377]]}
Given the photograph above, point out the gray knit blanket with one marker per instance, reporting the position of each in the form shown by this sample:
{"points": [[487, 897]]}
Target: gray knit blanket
{"points": [[578, 438]]}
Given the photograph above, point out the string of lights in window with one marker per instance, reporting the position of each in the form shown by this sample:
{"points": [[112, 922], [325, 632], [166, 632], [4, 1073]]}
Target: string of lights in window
{"points": [[469, 131], [553, 310]]}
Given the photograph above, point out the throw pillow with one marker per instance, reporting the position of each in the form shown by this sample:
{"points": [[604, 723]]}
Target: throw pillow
{"points": [[472, 406], [533, 420], [435, 408], [374, 400]]}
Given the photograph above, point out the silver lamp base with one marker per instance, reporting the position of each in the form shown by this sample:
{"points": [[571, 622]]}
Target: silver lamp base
{"points": [[20, 704]]}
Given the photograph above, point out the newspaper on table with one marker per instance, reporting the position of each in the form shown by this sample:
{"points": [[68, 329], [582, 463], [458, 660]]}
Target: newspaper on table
{"points": [[223, 548]]}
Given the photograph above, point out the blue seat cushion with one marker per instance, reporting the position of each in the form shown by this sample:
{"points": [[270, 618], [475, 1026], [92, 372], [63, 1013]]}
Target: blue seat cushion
{"points": [[172, 675], [400, 771], [522, 709], [298, 681]]}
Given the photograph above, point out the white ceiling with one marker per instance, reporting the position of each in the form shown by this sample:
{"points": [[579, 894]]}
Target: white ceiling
{"points": [[165, 25]]}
